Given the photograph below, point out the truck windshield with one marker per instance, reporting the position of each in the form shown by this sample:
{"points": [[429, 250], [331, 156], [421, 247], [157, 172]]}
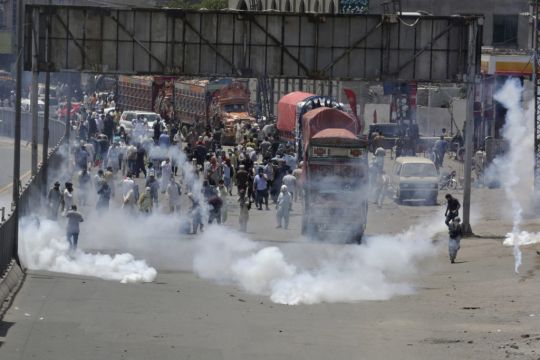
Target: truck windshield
{"points": [[418, 170], [234, 108]]}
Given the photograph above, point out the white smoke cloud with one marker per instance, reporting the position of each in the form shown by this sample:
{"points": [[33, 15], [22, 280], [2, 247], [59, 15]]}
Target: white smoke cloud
{"points": [[43, 246], [376, 270], [515, 168]]}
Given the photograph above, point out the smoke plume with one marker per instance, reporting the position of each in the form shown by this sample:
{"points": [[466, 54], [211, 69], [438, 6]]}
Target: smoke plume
{"points": [[43, 246], [377, 270], [515, 167]]}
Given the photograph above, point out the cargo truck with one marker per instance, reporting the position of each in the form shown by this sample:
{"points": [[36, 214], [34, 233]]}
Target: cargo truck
{"points": [[203, 103], [335, 165]]}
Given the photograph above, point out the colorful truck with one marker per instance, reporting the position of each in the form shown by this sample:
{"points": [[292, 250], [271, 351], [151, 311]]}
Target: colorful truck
{"points": [[335, 169], [203, 103], [146, 93]]}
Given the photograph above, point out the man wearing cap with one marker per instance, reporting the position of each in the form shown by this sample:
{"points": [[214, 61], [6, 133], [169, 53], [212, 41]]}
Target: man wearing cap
{"points": [[54, 199]]}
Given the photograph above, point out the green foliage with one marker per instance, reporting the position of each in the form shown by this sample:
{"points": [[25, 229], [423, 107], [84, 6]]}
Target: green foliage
{"points": [[204, 4], [214, 4]]}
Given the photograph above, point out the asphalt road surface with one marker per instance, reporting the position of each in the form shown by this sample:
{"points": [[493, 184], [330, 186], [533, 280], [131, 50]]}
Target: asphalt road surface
{"points": [[6, 164], [474, 309]]}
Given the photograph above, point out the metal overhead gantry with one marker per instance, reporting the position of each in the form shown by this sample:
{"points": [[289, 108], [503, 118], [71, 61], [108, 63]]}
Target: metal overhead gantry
{"points": [[263, 45], [250, 44]]}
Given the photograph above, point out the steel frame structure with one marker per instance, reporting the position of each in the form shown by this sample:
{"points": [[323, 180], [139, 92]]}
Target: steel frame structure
{"points": [[536, 83], [250, 44]]}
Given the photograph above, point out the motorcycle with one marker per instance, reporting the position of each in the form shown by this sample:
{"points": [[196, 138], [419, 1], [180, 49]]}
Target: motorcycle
{"points": [[448, 181]]}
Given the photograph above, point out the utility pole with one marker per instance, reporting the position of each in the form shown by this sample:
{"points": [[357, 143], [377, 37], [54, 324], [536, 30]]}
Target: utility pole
{"points": [[474, 31], [45, 143], [536, 83], [34, 98], [17, 130], [18, 90]]}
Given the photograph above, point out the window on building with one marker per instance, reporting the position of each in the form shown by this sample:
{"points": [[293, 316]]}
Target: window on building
{"points": [[505, 30]]}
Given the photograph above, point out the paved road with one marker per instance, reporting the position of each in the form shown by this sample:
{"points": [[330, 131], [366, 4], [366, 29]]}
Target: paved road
{"points": [[6, 164], [476, 309]]}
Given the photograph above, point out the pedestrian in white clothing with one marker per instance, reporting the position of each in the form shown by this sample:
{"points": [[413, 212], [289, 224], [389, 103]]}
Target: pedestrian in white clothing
{"points": [[68, 197], [284, 202], [174, 191], [166, 173], [127, 185]]}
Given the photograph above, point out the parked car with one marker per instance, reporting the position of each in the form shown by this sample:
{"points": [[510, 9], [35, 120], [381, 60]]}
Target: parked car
{"points": [[26, 105], [415, 178], [144, 126]]}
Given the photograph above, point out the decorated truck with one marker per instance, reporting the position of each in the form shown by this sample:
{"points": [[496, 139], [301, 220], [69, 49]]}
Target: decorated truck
{"points": [[202, 103], [146, 93], [335, 165]]}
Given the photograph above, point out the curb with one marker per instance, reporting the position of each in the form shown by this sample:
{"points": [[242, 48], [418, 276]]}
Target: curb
{"points": [[9, 284]]}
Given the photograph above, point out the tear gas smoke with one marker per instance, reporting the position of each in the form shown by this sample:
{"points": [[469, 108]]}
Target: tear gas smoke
{"points": [[43, 247], [293, 273], [376, 270], [522, 239], [515, 168], [43, 244]]}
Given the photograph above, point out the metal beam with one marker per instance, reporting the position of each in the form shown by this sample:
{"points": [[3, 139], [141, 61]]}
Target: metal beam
{"points": [[253, 44]]}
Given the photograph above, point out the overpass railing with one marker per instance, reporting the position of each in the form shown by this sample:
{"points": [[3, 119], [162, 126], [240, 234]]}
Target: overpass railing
{"points": [[7, 120]]}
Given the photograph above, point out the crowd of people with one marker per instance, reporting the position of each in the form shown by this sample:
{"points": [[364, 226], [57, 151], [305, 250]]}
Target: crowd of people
{"points": [[184, 172]]}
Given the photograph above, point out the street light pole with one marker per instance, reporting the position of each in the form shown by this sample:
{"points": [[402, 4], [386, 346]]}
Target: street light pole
{"points": [[34, 97], [474, 31], [17, 130]]}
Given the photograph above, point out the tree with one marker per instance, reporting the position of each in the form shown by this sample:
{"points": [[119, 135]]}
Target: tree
{"points": [[204, 4], [213, 4], [180, 4]]}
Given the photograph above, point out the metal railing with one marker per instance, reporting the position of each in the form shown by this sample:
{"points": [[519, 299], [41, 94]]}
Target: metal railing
{"points": [[30, 193], [7, 119]]}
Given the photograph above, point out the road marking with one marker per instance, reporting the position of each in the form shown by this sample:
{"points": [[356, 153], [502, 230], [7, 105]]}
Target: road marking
{"points": [[24, 176]]}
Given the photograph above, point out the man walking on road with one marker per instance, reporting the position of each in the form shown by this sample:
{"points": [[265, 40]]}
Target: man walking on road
{"points": [[74, 218], [284, 202], [452, 208], [440, 150], [54, 199], [260, 185], [455, 233], [290, 181]]}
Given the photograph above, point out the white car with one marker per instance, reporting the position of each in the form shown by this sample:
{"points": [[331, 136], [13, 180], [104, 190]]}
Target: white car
{"points": [[415, 178], [27, 107]]}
